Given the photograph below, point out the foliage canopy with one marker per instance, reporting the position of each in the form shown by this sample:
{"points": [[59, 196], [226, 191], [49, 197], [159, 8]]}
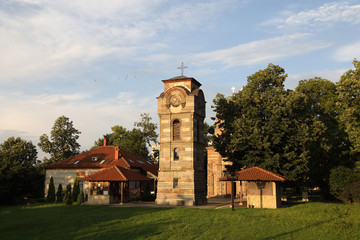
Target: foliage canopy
{"points": [[62, 142]]}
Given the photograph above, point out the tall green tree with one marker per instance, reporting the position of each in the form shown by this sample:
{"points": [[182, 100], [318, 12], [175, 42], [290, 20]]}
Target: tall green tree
{"points": [[348, 89], [147, 128], [331, 148], [135, 141], [18, 170], [264, 125], [62, 142]]}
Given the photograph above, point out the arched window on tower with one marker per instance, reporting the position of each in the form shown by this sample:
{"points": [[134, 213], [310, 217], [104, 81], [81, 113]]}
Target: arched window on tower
{"points": [[176, 154], [176, 129]]}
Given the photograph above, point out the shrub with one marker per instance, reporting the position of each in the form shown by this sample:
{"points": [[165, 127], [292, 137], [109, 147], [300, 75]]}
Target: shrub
{"points": [[340, 179], [76, 190], [68, 199], [68, 189], [51, 191], [345, 184], [80, 198], [59, 194]]}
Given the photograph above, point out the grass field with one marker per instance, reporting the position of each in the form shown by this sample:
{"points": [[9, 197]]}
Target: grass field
{"points": [[303, 221]]}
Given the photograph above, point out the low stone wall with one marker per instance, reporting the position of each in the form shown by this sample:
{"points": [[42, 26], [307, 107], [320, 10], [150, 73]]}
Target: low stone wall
{"points": [[99, 199]]}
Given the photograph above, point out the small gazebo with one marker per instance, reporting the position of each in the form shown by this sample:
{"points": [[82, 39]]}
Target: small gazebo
{"points": [[112, 185], [263, 187]]}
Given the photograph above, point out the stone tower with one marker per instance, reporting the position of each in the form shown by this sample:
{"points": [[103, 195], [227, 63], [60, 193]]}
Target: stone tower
{"points": [[182, 175]]}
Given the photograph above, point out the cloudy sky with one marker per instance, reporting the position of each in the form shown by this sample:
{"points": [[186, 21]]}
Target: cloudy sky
{"points": [[101, 63]]}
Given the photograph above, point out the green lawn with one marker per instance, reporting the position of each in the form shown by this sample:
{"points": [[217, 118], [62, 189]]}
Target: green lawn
{"points": [[303, 221]]}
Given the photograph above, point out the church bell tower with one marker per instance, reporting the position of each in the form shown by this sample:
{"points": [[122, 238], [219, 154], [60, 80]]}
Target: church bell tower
{"points": [[182, 175]]}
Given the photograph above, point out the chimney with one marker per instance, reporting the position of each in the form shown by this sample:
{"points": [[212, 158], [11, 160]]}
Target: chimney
{"points": [[116, 153], [104, 142]]}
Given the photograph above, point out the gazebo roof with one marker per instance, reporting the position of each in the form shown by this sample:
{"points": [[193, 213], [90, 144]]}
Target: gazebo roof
{"points": [[114, 173], [257, 174]]}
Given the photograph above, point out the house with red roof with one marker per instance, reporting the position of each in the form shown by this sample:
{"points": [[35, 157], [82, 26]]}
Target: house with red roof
{"points": [[107, 174]]}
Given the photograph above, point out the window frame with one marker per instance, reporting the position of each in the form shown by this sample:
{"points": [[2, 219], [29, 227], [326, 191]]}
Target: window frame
{"points": [[176, 156], [176, 129], [175, 183]]}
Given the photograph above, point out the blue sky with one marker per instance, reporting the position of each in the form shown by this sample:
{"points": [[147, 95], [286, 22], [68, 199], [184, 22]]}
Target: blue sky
{"points": [[101, 63]]}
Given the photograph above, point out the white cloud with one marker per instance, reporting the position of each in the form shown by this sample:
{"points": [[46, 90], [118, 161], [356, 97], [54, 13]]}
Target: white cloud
{"points": [[333, 75], [348, 53], [31, 116], [263, 50], [325, 16], [43, 39]]}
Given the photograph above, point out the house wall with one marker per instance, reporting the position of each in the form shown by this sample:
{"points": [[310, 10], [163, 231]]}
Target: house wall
{"points": [[269, 197], [66, 176]]}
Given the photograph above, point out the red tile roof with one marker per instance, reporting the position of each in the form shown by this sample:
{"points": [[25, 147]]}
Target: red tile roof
{"points": [[135, 161], [85, 159], [107, 156], [257, 174], [115, 173]]}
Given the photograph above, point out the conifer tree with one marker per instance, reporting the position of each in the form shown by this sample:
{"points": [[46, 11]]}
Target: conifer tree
{"points": [[51, 191], [76, 190], [80, 198], [68, 189], [68, 199], [59, 194], [62, 142]]}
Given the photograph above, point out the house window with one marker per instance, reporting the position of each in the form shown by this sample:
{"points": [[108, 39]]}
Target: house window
{"points": [[176, 129], [99, 188], [175, 182], [176, 154]]}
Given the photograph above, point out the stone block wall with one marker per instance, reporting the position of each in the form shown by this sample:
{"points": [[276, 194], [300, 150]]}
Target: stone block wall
{"points": [[181, 179]]}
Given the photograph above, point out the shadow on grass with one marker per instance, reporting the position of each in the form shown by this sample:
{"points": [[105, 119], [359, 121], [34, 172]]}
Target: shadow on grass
{"points": [[119, 229], [61, 222]]}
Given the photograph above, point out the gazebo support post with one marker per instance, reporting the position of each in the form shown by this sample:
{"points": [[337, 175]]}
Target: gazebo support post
{"points": [[232, 194], [140, 189], [122, 193], [241, 194]]}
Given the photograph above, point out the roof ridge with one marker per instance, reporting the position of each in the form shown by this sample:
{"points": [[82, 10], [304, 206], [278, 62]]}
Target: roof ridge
{"points": [[269, 172], [117, 168], [138, 157]]}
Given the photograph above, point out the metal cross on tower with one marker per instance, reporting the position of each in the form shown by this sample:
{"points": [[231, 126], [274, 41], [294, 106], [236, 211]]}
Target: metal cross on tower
{"points": [[233, 89], [182, 67]]}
